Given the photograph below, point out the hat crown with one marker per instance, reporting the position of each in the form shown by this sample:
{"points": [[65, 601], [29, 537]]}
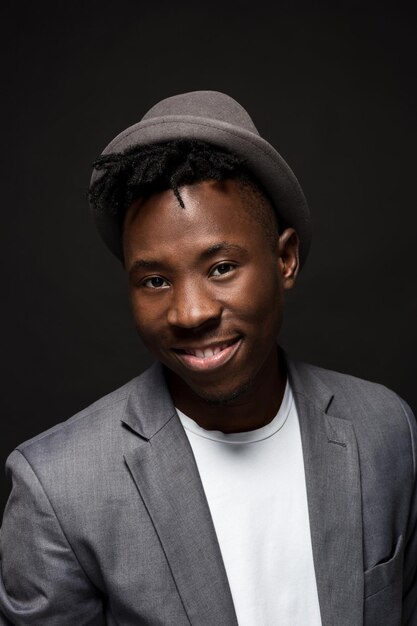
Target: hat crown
{"points": [[206, 104], [215, 118]]}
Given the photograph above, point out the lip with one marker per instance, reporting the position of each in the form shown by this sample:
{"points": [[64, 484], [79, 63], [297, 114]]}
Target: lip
{"points": [[209, 363]]}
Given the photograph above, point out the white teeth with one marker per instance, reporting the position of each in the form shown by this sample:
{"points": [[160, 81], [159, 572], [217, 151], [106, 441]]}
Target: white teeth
{"points": [[207, 352]]}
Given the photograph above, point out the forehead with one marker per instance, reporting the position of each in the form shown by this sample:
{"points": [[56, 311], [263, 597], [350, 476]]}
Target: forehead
{"points": [[214, 211]]}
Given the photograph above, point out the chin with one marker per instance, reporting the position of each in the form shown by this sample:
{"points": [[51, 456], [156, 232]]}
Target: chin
{"points": [[219, 397]]}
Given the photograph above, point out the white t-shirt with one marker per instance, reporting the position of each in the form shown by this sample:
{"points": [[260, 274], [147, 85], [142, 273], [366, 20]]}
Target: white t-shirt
{"points": [[255, 486]]}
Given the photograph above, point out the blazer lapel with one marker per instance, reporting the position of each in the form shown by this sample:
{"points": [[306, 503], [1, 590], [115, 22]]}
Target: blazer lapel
{"points": [[334, 499], [166, 475]]}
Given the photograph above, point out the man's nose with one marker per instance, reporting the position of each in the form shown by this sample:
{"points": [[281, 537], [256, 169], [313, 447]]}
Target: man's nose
{"points": [[192, 305]]}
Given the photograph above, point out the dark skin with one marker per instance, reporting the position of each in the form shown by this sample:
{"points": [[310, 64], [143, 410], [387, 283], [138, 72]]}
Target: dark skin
{"points": [[207, 291]]}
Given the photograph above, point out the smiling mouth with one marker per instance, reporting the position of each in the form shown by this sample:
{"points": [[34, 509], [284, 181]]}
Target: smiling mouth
{"points": [[209, 357]]}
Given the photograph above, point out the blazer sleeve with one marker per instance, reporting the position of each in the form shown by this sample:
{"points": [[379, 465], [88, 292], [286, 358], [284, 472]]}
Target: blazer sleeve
{"points": [[41, 580], [409, 612]]}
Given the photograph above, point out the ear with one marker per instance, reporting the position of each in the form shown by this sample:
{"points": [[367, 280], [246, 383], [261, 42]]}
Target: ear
{"points": [[288, 257]]}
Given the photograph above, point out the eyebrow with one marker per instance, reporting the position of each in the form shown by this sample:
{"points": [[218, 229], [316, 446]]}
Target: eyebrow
{"points": [[154, 265], [149, 265], [222, 246]]}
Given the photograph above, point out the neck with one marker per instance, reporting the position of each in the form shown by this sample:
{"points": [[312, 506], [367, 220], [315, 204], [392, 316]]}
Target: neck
{"points": [[254, 408]]}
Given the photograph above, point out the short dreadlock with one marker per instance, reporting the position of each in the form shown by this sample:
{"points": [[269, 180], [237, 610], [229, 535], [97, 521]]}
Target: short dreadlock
{"points": [[144, 170]]}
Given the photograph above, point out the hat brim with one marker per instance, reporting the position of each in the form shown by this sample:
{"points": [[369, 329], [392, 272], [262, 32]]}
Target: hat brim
{"points": [[267, 165]]}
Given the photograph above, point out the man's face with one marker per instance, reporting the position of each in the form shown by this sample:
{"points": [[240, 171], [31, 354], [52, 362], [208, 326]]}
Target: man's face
{"points": [[206, 288]]}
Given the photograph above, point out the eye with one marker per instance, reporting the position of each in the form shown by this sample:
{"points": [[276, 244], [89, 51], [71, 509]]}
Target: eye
{"points": [[222, 269], [155, 282]]}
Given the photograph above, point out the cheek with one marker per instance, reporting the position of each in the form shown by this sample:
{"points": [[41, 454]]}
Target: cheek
{"points": [[258, 297], [147, 318]]}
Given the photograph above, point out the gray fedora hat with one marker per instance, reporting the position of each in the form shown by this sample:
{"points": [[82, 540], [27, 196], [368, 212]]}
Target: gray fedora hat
{"points": [[218, 119]]}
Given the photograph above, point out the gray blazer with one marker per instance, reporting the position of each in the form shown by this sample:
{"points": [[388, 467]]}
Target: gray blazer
{"points": [[108, 522]]}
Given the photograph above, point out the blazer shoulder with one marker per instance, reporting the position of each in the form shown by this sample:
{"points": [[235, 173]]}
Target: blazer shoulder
{"points": [[373, 408], [353, 390], [100, 417]]}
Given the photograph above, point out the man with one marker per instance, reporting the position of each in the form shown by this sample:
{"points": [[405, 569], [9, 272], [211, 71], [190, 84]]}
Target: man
{"points": [[227, 484]]}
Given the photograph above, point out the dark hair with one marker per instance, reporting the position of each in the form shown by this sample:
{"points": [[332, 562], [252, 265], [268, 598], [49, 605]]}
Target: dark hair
{"points": [[144, 170]]}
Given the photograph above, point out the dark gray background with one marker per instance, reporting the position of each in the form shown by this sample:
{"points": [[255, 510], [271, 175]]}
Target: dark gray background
{"points": [[332, 88]]}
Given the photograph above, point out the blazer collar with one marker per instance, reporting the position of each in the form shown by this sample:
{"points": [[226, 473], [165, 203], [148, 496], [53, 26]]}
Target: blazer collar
{"points": [[149, 406], [305, 382]]}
